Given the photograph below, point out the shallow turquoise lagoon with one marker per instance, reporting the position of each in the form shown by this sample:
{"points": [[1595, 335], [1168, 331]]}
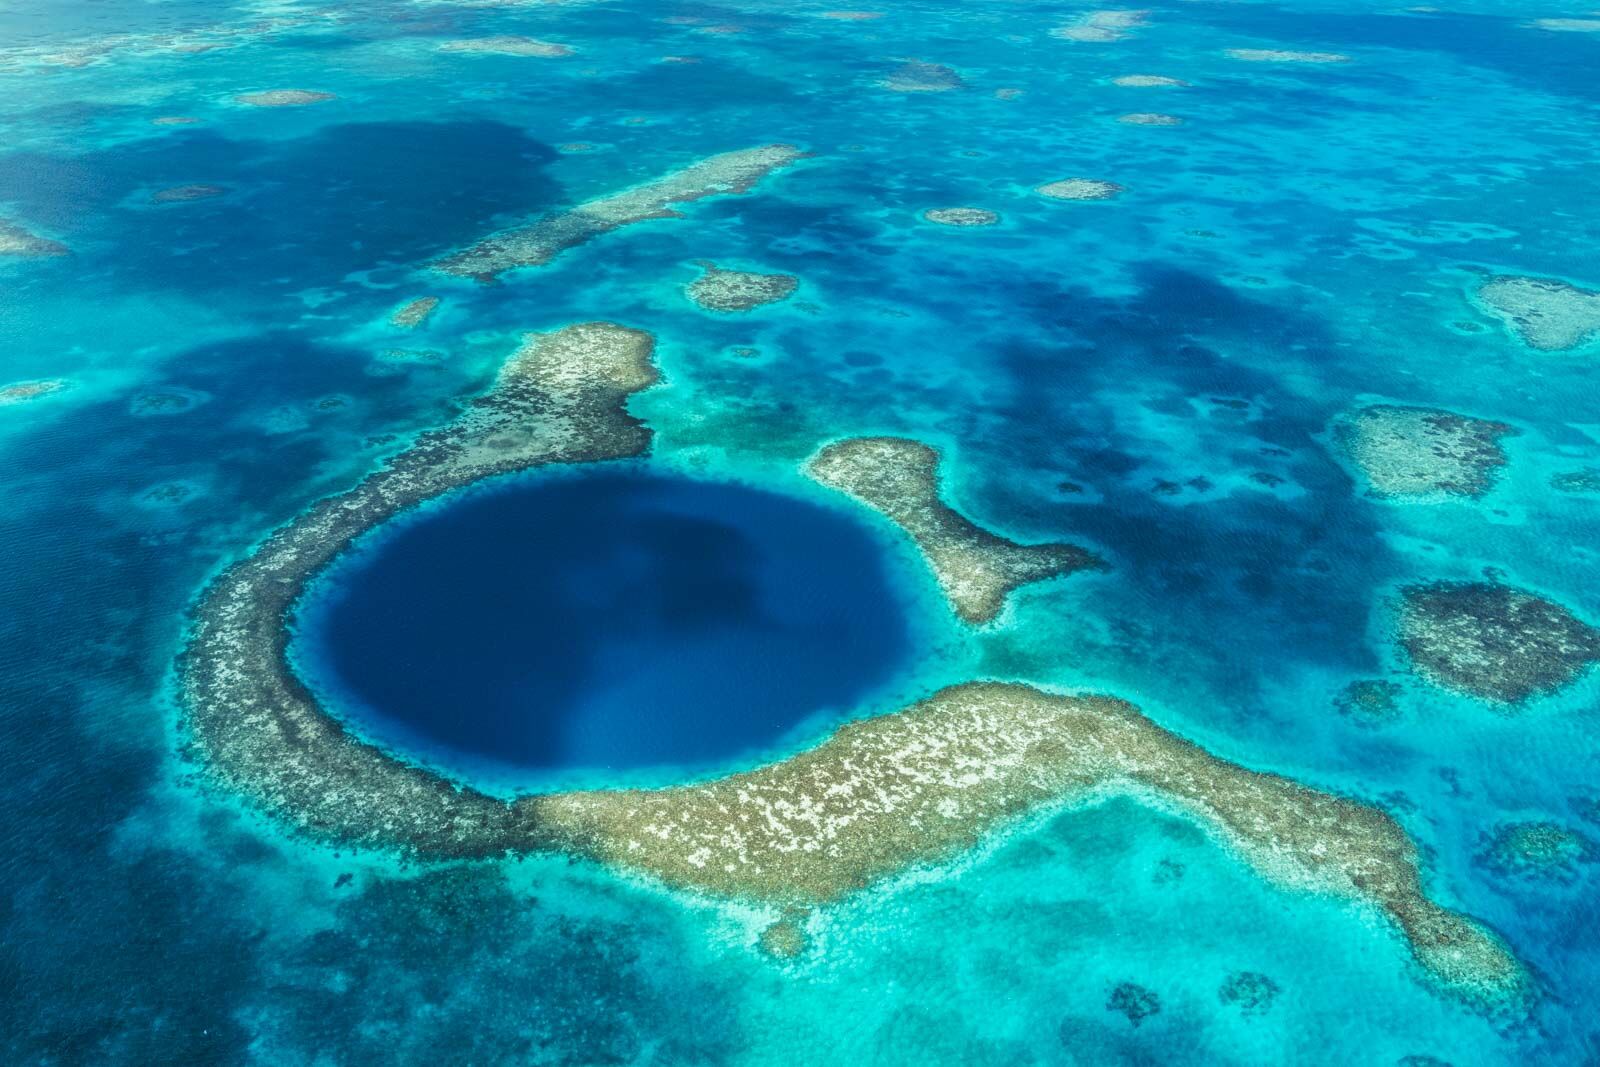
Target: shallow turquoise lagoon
{"points": [[196, 344]]}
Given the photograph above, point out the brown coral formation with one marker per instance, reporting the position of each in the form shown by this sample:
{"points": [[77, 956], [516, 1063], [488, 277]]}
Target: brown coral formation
{"points": [[540, 241], [975, 568], [181, 193]]}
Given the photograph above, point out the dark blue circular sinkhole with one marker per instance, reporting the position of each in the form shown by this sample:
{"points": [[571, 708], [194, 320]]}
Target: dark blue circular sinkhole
{"points": [[610, 620]]}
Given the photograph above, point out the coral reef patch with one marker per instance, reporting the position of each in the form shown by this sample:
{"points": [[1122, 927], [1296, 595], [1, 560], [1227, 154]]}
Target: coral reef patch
{"points": [[413, 313], [738, 290], [283, 98], [1537, 851], [1080, 189], [1547, 313], [16, 241], [961, 216], [976, 568], [1491, 641], [1423, 453]]}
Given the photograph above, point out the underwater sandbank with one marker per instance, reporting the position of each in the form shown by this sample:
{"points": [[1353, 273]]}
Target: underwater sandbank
{"points": [[1547, 313]]}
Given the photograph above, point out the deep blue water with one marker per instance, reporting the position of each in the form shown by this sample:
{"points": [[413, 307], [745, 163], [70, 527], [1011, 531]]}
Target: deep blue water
{"points": [[609, 620]]}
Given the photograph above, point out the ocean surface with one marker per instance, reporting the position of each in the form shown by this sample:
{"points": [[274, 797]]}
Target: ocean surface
{"points": [[1153, 376]]}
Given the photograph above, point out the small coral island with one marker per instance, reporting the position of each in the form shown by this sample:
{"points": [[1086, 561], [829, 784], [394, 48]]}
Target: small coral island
{"points": [[880, 796]]}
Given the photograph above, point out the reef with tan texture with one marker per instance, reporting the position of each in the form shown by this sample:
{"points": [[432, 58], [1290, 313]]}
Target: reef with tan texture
{"points": [[16, 241], [917, 76], [538, 242], [1277, 55], [413, 313], [1411, 453], [1101, 26], [886, 794], [508, 45], [976, 569], [961, 216], [1546, 313], [1148, 81], [1080, 189], [283, 98], [1492, 641], [731, 291], [251, 723], [22, 392]]}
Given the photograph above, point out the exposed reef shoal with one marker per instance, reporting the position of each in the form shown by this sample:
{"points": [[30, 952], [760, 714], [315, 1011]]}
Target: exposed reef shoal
{"points": [[920, 785], [1423, 453], [1492, 641], [739, 290], [540, 241], [975, 568], [1548, 314]]}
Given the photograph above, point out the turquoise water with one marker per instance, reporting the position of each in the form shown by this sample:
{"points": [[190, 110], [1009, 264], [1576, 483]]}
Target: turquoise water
{"points": [[611, 621], [1117, 374]]}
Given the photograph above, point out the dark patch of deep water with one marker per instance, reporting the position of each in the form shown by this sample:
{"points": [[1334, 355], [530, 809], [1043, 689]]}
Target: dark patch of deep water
{"points": [[608, 620]]}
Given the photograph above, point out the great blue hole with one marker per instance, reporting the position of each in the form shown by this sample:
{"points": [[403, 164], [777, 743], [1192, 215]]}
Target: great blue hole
{"points": [[618, 619]]}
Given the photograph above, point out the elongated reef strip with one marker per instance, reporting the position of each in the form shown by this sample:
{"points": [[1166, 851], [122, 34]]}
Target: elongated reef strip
{"points": [[923, 784], [975, 568], [413, 313], [1423, 453], [540, 241], [559, 399]]}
